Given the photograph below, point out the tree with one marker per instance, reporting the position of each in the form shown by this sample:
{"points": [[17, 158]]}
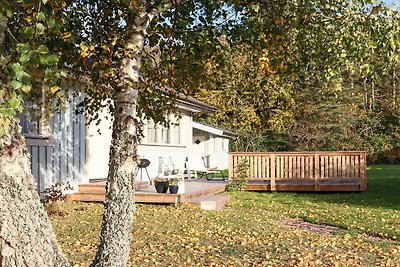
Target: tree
{"points": [[336, 61], [251, 99], [43, 34], [111, 38], [111, 44]]}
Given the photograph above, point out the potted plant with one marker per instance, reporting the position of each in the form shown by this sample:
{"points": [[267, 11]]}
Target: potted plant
{"points": [[161, 184], [173, 185]]}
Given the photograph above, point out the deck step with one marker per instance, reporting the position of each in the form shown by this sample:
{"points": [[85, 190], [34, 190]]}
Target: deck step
{"points": [[100, 187], [213, 202], [202, 193], [146, 193]]}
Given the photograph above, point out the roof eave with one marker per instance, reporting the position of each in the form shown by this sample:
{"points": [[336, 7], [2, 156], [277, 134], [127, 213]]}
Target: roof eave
{"points": [[197, 107]]}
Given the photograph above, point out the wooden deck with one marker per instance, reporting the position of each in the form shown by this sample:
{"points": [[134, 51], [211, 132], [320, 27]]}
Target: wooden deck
{"points": [[145, 193], [301, 171], [304, 186]]}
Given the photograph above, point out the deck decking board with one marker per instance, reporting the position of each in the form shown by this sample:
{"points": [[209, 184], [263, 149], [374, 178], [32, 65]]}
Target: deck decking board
{"points": [[95, 192]]}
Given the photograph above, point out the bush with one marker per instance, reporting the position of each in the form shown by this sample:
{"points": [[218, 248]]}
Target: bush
{"points": [[240, 180]]}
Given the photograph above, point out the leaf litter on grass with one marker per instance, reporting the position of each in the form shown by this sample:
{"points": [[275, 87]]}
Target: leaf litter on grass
{"points": [[249, 232], [183, 236]]}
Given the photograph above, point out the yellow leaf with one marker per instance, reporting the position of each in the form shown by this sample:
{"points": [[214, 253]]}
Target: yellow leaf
{"points": [[5, 123], [84, 54], [54, 89], [105, 48], [84, 47]]}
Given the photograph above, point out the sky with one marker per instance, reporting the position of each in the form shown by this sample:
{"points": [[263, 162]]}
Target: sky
{"points": [[389, 2]]}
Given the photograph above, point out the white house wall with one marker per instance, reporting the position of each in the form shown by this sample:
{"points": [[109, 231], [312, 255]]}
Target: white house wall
{"points": [[177, 153], [98, 145], [221, 152], [211, 147]]}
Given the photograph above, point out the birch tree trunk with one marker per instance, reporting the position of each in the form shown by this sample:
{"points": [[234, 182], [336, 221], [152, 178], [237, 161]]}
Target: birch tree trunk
{"points": [[26, 235], [117, 221]]}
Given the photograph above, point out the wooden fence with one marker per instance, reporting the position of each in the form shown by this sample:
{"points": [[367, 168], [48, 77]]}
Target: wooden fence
{"points": [[302, 171]]}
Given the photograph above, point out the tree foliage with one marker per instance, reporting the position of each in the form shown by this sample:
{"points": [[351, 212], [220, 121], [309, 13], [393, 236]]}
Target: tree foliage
{"points": [[318, 75]]}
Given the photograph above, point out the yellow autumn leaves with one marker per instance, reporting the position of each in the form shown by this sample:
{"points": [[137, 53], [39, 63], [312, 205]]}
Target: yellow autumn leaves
{"points": [[247, 233]]}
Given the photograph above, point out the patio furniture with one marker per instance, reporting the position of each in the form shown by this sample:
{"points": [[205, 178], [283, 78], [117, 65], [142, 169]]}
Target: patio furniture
{"points": [[144, 163], [210, 172]]}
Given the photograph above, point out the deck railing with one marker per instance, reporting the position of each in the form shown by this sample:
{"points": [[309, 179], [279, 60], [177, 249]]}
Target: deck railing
{"points": [[317, 166]]}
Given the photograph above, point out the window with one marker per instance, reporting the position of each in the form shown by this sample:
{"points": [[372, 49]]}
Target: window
{"points": [[32, 126], [160, 134], [165, 135], [151, 132], [176, 133]]}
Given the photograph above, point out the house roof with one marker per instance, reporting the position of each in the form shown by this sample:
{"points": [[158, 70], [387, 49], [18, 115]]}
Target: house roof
{"points": [[188, 101], [214, 130], [182, 99], [194, 103]]}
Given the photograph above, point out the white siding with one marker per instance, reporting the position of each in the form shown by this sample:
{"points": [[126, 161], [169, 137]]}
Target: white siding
{"points": [[98, 145]]}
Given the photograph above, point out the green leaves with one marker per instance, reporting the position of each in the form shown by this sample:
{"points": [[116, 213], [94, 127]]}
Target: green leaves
{"points": [[6, 8], [20, 75], [42, 49], [16, 67], [16, 85], [14, 103], [40, 28], [41, 16]]}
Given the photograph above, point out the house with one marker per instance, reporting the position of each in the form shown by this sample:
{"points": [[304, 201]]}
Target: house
{"points": [[65, 149]]}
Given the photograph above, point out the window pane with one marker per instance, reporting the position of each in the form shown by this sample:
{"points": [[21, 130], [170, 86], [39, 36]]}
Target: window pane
{"points": [[29, 121], [176, 133], [151, 132], [164, 135]]}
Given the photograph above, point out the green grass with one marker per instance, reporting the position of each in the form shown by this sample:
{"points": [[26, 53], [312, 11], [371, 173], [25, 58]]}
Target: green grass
{"points": [[375, 211], [249, 233]]}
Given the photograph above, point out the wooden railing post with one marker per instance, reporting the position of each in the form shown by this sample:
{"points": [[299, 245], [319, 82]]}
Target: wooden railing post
{"points": [[363, 172], [273, 172], [230, 167], [316, 172]]}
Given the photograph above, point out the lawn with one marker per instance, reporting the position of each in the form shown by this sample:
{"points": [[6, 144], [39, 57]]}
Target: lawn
{"points": [[256, 229]]}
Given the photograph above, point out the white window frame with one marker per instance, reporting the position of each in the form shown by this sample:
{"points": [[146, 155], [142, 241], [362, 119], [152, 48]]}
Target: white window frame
{"points": [[164, 136]]}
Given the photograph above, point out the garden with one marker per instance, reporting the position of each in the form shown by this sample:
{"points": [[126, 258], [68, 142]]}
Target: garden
{"points": [[256, 229]]}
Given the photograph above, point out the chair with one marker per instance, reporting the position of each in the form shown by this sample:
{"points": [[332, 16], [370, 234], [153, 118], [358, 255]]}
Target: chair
{"points": [[210, 172], [143, 164]]}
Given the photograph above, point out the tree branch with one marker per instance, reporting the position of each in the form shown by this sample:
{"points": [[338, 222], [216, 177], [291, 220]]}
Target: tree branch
{"points": [[3, 26]]}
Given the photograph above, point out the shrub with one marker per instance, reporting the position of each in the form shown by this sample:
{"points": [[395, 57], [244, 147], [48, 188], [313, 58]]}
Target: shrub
{"points": [[241, 177], [53, 196], [55, 192]]}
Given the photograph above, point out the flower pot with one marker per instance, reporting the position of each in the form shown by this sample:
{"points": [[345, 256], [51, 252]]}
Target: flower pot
{"points": [[161, 187], [173, 189]]}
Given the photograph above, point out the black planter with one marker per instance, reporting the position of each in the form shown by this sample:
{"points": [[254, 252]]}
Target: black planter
{"points": [[173, 189], [161, 187]]}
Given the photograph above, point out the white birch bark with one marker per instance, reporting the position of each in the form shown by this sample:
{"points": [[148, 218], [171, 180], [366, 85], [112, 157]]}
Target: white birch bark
{"points": [[117, 222]]}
